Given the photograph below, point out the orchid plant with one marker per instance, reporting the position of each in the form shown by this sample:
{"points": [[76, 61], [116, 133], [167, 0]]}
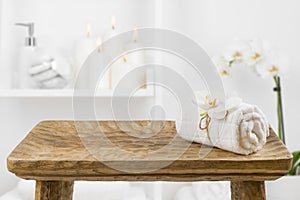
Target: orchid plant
{"points": [[264, 62]]}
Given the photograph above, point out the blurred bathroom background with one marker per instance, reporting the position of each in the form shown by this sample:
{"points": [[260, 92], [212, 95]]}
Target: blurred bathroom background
{"points": [[60, 26]]}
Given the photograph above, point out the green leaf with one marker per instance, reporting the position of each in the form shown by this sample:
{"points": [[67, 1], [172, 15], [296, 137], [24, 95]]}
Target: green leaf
{"points": [[296, 162], [203, 114]]}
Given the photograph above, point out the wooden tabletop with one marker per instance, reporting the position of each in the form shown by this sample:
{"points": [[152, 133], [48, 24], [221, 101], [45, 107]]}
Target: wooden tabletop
{"points": [[54, 150]]}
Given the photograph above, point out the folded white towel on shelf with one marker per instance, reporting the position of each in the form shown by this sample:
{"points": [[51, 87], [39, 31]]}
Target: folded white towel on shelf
{"points": [[242, 129], [46, 76]]}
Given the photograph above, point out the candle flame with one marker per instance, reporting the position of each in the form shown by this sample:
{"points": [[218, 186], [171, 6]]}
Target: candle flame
{"points": [[88, 29], [113, 22]]}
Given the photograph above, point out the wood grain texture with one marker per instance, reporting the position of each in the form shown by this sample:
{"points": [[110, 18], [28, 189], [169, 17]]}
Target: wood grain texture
{"points": [[160, 177], [54, 150], [54, 190], [247, 190]]}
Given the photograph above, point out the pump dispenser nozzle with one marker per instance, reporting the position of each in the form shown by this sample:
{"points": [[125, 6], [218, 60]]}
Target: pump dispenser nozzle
{"points": [[30, 40]]}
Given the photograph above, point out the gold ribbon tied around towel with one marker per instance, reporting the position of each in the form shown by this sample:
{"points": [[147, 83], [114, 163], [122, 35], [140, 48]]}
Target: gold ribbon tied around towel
{"points": [[204, 125], [207, 119]]}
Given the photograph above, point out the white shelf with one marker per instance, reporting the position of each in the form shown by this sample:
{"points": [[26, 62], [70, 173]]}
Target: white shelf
{"points": [[29, 93], [69, 93]]}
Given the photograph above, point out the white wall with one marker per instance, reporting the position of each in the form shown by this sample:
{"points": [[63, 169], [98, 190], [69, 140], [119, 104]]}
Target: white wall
{"points": [[174, 19]]}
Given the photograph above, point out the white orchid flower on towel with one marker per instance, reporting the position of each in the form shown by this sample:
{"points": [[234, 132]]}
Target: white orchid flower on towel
{"points": [[207, 102], [212, 106]]}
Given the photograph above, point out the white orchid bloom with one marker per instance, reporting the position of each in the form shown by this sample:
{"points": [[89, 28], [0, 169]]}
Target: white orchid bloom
{"points": [[213, 107], [205, 101], [223, 66], [224, 72], [259, 51], [237, 52], [221, 109], [271, 66]]}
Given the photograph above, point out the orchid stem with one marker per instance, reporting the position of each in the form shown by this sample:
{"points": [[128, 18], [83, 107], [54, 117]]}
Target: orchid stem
{"points": [[277, 89]]}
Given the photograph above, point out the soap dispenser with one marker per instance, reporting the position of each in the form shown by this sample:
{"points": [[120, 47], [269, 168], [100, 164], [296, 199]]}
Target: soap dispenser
{"points": [[26, 56], [39, 68]]}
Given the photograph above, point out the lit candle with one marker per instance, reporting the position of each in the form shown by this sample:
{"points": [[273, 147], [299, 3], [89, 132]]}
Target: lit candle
{"points": [[113, 22], [113, 48], [99, 44], [122, 68], [88, 30], [84, 48], [104, 81], [127, 63], [135, 35], [137, 57], [112, 31]]}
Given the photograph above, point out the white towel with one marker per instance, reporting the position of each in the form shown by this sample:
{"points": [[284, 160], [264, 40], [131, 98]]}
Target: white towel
{"points": [[243, 131]]}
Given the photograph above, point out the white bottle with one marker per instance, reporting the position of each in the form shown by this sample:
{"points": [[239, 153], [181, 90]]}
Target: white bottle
{"points": [[26, 56]]}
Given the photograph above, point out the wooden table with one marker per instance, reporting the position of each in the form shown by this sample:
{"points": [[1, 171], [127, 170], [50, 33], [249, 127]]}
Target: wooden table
{"points": [[55, 156]]}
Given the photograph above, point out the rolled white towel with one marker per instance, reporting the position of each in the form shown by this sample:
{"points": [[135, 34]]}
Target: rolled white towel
{"points": [[243, 130]]}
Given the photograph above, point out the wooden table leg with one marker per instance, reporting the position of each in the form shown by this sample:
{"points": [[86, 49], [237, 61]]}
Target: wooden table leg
{"points": [[248, 190], [54, 190]]}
